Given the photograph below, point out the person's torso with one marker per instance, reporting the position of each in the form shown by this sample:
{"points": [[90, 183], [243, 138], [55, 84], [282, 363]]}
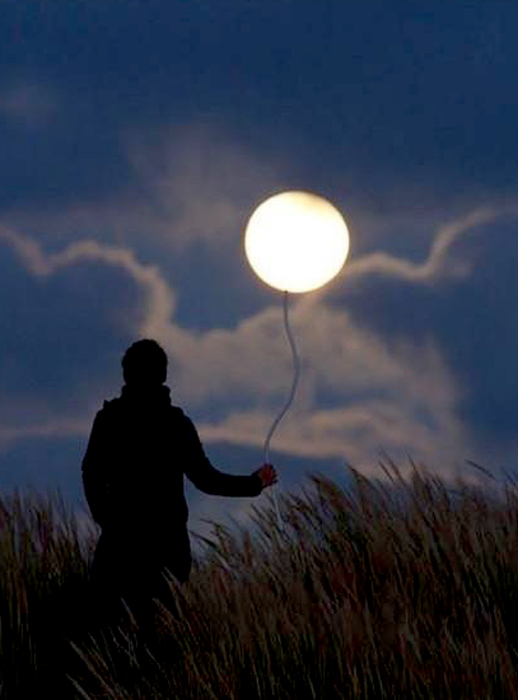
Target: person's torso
{"points": [[145, 455]]}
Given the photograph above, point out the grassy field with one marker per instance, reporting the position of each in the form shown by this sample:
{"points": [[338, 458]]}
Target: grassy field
{"points": [[360, 595]]}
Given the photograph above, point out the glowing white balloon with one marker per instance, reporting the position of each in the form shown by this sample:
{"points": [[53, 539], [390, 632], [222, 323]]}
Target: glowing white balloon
{"points": [[296, 241]]}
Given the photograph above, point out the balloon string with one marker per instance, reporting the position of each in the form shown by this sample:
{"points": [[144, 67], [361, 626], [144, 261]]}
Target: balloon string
{"points": [[287, 405]]}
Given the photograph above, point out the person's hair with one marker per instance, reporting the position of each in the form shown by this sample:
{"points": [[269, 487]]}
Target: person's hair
{"points": [[144, 362]]}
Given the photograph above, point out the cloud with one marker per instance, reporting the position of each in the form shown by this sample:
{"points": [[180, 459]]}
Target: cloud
{"points": [[185, 186], [356, 398], [51, 428], [385, 364], [201, 181], [464, 302], [438, 264], [379, 397], [158, 296]]}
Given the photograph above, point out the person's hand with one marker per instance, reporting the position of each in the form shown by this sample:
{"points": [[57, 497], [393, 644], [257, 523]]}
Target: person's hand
{"points": [[267, 474]]}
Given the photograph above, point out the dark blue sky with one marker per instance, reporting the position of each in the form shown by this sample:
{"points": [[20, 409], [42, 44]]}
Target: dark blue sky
{"points": [[135, 140]]}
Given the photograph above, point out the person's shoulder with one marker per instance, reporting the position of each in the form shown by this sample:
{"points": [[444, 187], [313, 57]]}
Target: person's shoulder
{"points": [[111, 404], [183, 420], [178, 413], [109, 408]]}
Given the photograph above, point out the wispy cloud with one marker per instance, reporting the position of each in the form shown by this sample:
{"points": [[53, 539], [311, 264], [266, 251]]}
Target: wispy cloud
{"points": [[201, 182], [182, 186], [438, 264], [159, 298], [51, 428], [384, 397]]}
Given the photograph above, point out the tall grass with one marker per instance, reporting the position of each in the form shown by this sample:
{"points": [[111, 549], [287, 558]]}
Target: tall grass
{"points": [[362, 594]]}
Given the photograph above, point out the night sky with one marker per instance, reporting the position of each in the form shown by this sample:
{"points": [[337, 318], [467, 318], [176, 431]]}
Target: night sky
{"points": [[136, 138]]}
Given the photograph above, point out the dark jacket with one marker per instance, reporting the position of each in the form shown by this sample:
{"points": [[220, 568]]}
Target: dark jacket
{"points": [[139, 449]]}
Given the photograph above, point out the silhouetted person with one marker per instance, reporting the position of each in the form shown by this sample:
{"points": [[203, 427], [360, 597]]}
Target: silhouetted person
{"points": [[139, 449]]}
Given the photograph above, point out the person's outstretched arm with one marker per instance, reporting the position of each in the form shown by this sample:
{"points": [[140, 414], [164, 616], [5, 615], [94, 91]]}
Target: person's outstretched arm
{"points": [[210, 480]]}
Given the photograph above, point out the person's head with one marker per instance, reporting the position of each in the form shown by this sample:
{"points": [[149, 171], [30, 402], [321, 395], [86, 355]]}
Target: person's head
{"points": [[144, 363]]}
